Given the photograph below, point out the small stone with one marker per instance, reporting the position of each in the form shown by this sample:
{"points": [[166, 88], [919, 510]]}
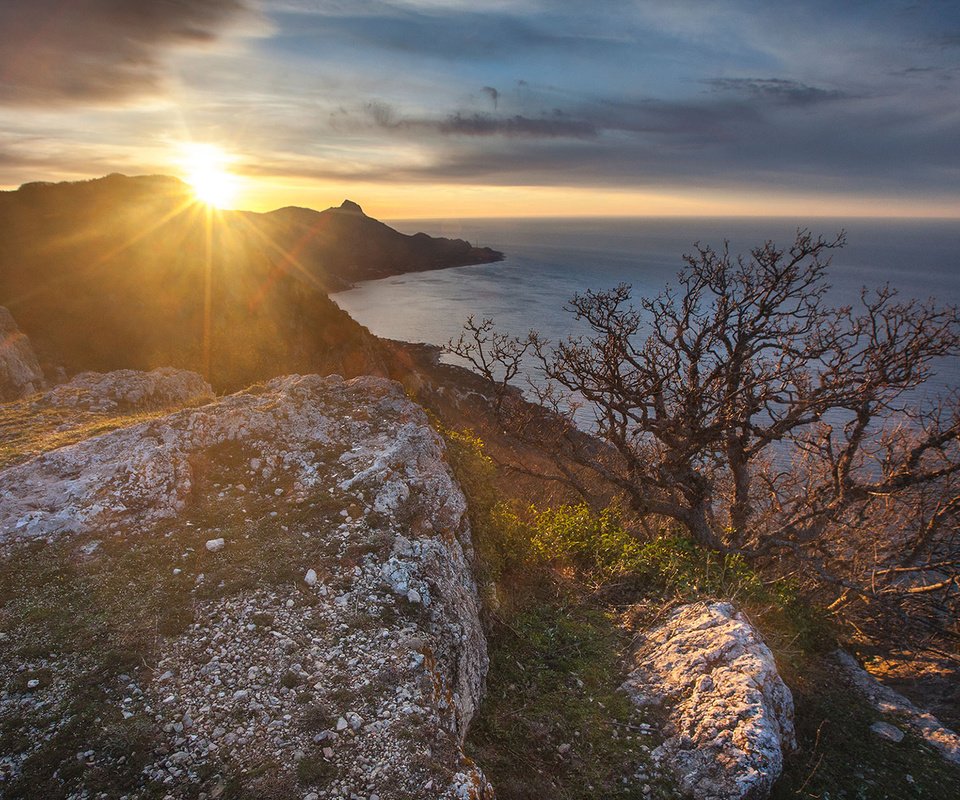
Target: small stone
{"points": [[278, 492], [414, 596], [215, 545], [887, 731], [342, 724], [310, 578], [33, 683], [177, 570], [564, 748]]}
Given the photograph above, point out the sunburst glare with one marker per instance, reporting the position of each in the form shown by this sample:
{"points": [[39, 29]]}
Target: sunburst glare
{"points": [[206, 168]]}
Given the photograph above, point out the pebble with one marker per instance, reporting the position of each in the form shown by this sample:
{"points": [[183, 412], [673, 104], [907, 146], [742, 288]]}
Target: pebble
{"points": [[310, 578], [215, 545], [887, 731]]}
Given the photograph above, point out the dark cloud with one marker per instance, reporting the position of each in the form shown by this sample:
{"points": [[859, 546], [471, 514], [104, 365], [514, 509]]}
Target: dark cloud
{"points": [[534, 127], [56, 52], [547, 126], [493, 94], [777, 90]]}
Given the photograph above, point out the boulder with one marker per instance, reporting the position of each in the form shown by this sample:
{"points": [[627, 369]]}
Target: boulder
{"points": [[266, 668], [131, 390], [729, 716], [20, 373]]}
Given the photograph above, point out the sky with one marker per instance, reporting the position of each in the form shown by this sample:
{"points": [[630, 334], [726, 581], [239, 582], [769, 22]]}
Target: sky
{"points": [[438, 108]]}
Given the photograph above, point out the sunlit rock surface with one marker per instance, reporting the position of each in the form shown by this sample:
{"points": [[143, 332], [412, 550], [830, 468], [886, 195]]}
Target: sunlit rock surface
{"points": [[128, 389], [887, 701], [20, 372], [729, 715], [328, 643]]}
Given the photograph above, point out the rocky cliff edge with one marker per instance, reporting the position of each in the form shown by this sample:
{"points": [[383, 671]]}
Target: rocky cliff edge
{"points": [[270, 594]]}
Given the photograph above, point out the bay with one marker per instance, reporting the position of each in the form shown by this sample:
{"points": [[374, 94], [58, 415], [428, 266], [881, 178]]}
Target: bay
{"points": [[549, 260]]}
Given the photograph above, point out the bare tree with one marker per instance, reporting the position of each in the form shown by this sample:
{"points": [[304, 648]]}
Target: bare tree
{"points": [[744, 406], [497, 356]]}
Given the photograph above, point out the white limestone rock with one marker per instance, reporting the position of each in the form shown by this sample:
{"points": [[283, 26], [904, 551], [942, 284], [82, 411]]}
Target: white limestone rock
{"points": [[404, 677], [127, 389], [730, 716], [20, 373]]}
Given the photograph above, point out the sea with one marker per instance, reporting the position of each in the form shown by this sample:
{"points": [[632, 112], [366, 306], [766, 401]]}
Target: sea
{"points": [[548, 261]]}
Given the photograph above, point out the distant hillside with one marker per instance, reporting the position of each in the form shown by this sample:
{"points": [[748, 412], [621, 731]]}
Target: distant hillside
{"points": [[132, 272], [345, 245]]}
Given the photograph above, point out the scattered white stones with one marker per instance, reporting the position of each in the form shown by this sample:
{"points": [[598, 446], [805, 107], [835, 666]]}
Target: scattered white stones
{"points": [[373, 680]]}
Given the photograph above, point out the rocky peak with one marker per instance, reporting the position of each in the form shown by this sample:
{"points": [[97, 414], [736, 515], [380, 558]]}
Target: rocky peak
{"points": [[350, 207], [129, 389]]}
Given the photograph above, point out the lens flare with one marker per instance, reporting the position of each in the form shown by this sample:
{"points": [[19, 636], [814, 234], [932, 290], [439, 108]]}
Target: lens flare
{"points": [[206, 169]]}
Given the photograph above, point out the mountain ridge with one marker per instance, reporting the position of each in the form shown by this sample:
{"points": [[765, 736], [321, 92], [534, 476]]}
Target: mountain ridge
{"points": [[132, 272]]}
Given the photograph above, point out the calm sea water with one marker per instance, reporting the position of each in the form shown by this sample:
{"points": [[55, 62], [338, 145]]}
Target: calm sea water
{"points": [[549, 260]]}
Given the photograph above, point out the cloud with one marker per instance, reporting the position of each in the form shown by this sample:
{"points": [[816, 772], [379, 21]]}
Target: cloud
{"points": [[63, 52], [555, 125], [778, 90]]}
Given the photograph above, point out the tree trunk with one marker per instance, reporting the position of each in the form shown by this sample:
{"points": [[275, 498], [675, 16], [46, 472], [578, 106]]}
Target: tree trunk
{"points": [[697, 523]]}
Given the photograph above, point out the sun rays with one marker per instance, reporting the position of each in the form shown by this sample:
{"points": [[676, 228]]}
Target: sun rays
{"points": [[206, 168]]}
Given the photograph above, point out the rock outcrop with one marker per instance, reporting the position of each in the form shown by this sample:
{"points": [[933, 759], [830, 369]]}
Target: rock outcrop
{"points": [[328, 644], [729, 716], [887, 701], [128, 390], [20, 372]]}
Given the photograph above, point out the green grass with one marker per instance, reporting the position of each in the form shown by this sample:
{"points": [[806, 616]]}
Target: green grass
{"points": [[28, 428], [839, 758], [553, 723]]}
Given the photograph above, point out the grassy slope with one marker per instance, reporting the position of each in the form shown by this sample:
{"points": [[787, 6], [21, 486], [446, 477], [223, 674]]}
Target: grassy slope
{"points": [[560, 580]]}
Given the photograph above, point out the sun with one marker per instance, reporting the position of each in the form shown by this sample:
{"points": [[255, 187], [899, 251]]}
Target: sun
{"points": [[205, 168]]}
